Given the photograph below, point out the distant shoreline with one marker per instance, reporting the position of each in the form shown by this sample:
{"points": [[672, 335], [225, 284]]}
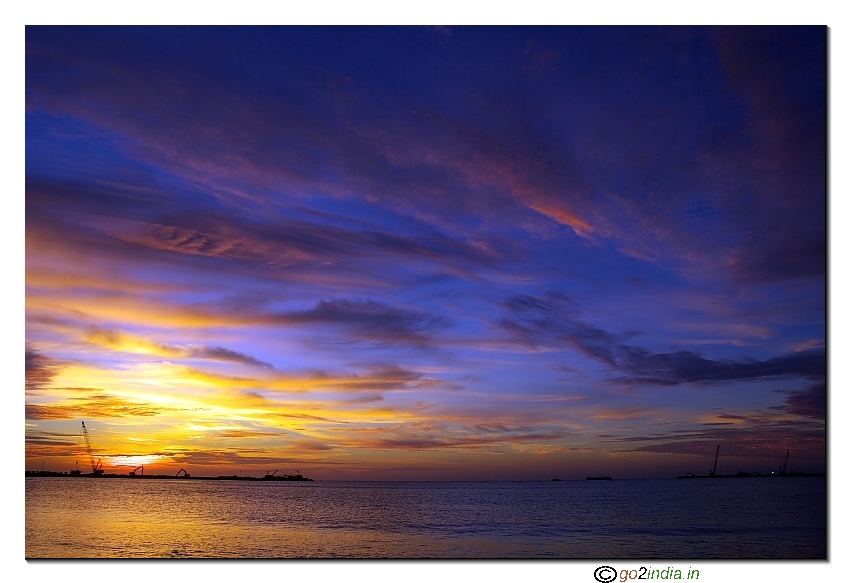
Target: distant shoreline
{"points": [[46, 474], [49, 474], [754, 475]]}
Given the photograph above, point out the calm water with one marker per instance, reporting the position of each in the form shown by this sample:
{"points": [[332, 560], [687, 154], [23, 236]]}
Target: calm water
{"points": [[696, 519]]}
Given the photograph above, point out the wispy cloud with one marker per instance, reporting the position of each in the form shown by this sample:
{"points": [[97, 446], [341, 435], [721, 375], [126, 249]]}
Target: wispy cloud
{"points": [[40, 369], [438, 436], [118, 340], [93, 406], [369, 320], [553, 321]]}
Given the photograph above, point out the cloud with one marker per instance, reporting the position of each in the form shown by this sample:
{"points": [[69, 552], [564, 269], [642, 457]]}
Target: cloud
{"points": [[423, 436], [40, 369], [366, 321], [758, 440], [234, 458], [292, 244], [749, 440], [224, 354], [371, 321], [96, 405], [553, 322], [373, 380], [51, 439], [810, 402], [118, 340], [250, 433]]}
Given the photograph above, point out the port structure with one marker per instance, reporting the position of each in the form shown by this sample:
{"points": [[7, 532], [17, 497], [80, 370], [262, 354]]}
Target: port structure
{"points": [[133, 473], [785, 465], [185, 474], [96, 465], [713, 471]]}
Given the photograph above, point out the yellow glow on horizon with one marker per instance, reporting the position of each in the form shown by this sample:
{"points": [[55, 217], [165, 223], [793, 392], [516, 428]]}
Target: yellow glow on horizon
{"points": [[196, 427], [165, 412], [133, 461]]}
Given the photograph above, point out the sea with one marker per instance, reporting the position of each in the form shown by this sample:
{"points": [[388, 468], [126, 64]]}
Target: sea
{"points": [[745, 518]]}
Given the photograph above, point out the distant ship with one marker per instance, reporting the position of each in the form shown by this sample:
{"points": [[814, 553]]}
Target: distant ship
{"points": [[609, 478], [296, 477]]}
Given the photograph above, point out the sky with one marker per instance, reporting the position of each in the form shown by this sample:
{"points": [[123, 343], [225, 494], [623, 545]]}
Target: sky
{"points": [[441, 253]]}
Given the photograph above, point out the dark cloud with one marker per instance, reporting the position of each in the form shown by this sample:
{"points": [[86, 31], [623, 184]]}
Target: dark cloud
{"points": [[687, 367], [224, 354], [374, 380], [810, 402], [40, 369], [553, 322], [371, 321], [52, 439]]}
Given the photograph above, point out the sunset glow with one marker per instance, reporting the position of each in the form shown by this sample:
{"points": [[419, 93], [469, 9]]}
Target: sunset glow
{"points": [[426, 253]]}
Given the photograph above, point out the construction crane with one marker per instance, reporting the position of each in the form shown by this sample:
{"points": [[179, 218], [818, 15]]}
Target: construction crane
{"points": [[185, 474], [133, 473], [714, 468], [96, 466], [785, 465]]}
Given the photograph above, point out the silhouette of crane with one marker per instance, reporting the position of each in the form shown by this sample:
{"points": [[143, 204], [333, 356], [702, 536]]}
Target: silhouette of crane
{"points": [[785, 465], [96, 466], [714, 468]]}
